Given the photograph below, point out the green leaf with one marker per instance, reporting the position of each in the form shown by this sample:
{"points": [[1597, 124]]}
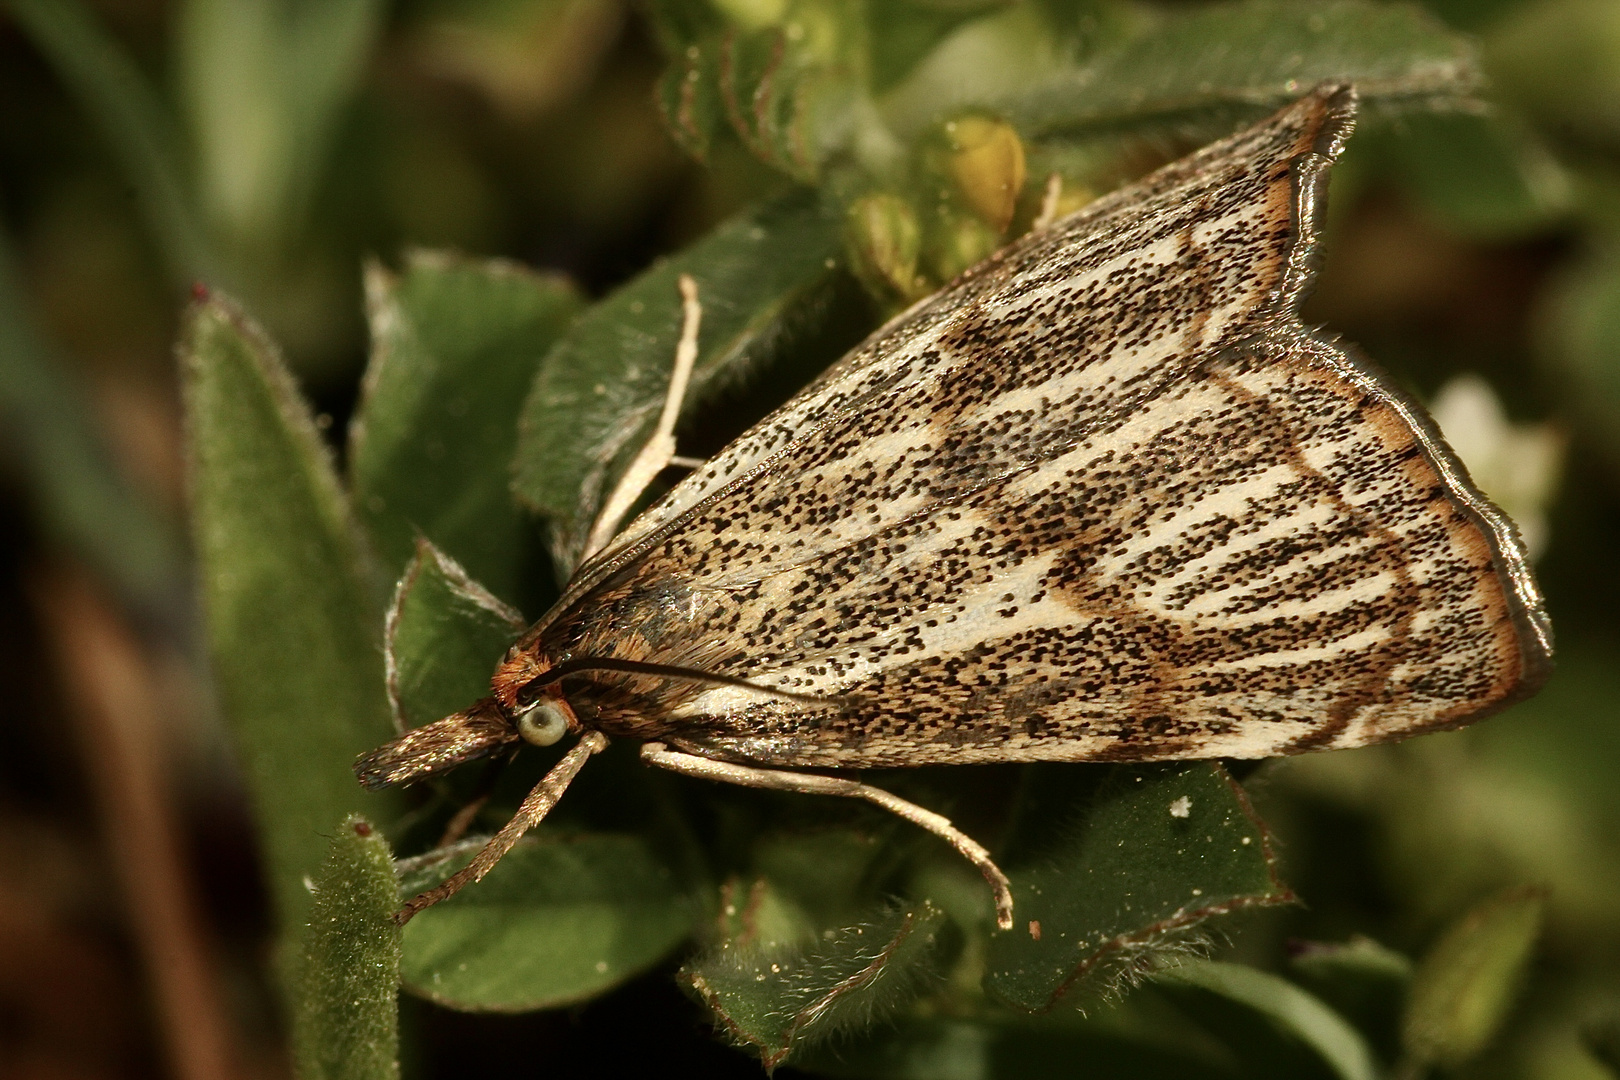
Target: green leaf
{"points": [[1362, 980], [689, 98], [444, 635], [1100, 883], [988, 60], [346, 1019], [778, 998], [1466, 984], [292, 614], [455, 345], [762, 276], [1477, 176], [901, 35], [557, 921], [1360, 957], [801, 881], [264, 86], [1292, 1009], [1251, 57], [786, 80]]}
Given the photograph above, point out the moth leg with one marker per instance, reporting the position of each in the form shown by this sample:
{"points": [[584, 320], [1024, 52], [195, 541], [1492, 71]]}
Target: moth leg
{"points": [[535, 806], [659, 450], [816, 784]]}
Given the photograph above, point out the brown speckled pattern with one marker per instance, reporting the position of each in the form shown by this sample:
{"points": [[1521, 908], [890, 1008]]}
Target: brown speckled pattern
{"points": [[1103, 498]]}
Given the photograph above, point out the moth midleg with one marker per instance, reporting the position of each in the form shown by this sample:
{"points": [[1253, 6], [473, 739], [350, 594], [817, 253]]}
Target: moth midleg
{"points": [[535, 807], [659, 451], [816, 784]]}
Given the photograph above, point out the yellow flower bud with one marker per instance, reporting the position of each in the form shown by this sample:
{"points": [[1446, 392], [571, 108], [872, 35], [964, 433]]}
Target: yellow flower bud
{"points": [[987, 163]]}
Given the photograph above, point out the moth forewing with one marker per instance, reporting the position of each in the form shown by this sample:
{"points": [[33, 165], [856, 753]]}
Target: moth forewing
{"points": [[1103, 498]]}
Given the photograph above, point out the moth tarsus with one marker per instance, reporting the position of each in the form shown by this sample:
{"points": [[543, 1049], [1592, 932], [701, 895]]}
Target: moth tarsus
{"points": [[1103, 498]]}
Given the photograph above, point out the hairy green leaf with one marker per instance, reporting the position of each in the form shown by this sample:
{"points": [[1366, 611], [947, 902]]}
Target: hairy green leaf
{"points": [[557, 921], [293, 615], [346, 1019], [1303, 1016], [444, 634], [776, 998], [761, 276], [455, 345], [1104, 883], [1465, 985]]}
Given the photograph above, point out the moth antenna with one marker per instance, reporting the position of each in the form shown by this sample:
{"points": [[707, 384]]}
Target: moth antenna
{"points": [[534, 808], [670, 671], [816, 784], [659, 450]]}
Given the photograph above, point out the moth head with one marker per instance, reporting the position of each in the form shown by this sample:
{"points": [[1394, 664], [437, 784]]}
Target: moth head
{"points": [[514, 681], [432, 748]]}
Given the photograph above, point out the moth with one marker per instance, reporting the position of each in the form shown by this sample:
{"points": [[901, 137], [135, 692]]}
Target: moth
{"points": [[1102, 498]]}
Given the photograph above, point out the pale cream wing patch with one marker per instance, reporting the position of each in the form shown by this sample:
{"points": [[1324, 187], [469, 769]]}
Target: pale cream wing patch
{"points": [[1236, 597]]}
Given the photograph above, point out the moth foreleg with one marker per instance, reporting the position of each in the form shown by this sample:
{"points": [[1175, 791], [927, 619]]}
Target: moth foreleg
{"points": [[659, 451], [817, 784], [535, 807]]}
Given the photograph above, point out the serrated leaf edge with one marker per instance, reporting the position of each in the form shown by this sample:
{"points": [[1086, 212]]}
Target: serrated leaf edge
{"points": [[771, 1057]]}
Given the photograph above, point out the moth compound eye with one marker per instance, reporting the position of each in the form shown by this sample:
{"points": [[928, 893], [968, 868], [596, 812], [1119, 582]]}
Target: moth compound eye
{"points": [[542, 724]]}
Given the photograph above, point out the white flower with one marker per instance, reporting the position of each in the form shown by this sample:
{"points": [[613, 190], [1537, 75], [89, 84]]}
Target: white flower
{"points": [[1516, 465]]}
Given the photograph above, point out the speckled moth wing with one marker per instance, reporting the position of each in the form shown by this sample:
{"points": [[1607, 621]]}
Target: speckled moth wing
{"points": [[1084, 249], [1102, 499]]}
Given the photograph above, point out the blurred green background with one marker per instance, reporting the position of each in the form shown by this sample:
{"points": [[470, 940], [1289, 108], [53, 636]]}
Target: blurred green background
{"points": [[268, 147]]}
